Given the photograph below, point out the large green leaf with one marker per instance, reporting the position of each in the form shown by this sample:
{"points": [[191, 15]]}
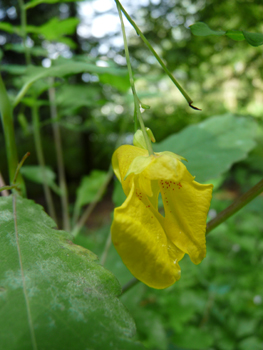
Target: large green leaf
{"points": [[54, 294], [212, 146]]}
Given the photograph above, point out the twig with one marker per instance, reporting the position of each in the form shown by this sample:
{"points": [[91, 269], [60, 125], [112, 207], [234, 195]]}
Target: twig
{"points": [[60, 161], [139, 32], [41, 161], [19, 166], [106, 249], [92, 205], [6, 113], [130, 284], [238, 204]]}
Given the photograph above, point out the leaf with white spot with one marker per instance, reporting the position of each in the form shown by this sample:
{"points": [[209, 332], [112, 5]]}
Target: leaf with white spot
{"points": [[54, 294]]}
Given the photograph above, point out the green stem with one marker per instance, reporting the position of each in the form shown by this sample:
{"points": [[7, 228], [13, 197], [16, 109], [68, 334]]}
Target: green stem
{"points": [[130, 284], [92, 205], [9, 132], [19, 167], [60, 161], [41, 161], [23, 25], [139, 32], [106, 249], [6, 188], [136, 99], [238, 204]]}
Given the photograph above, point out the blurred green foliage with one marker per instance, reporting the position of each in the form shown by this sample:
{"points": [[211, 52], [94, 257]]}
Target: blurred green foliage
{"points": [[217, 305]]}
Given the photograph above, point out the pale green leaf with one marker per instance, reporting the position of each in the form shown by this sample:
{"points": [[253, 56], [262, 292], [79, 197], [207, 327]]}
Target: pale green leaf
{"points": [[35, 50], [63, 69], [15, 69], [70, 97], [39, 175], [121, 83], [54, 294], [202, 29], [212, 146], [235, 35], [89, 187], [7, 27]]}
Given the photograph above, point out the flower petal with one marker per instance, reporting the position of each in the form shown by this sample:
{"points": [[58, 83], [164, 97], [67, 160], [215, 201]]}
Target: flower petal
{"points": [[186, 204], [139, 237], [121, 161]]}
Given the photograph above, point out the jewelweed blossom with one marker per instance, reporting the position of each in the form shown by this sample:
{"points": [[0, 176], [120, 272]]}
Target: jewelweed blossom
{"points": [[150, 244]]}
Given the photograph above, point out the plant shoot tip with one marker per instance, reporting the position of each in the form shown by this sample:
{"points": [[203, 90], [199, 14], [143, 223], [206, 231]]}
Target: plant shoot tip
{"points": [[196, 108]]}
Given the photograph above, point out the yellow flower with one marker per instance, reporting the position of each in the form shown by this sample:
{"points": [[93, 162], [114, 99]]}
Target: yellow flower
{"points": [[150, 244]]}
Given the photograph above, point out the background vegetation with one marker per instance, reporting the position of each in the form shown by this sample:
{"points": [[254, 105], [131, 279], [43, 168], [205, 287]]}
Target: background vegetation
{"points": [[79, 93]]}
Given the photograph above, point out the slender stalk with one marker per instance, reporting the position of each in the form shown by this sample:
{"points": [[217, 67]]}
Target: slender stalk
{"points": [[6, 188], [92, 205], [106, 249], [41, 161], [60, 161], [139, 32], [238, 204], [19, 166], [130, 284], [9, 133], [136, 99], [23, 25]]}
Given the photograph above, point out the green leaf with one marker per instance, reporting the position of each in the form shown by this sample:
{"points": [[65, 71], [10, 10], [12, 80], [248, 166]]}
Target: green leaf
{"points": [[53, 293], [36, 174], [16, 69], [34, 3], [63, 68], [56, 28], [254, 39], [121, 83], [235, 35], [202, 29], [212, 146], [35, 50], [118, 196], [7, 27], [71, 97], [89, 187]]}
